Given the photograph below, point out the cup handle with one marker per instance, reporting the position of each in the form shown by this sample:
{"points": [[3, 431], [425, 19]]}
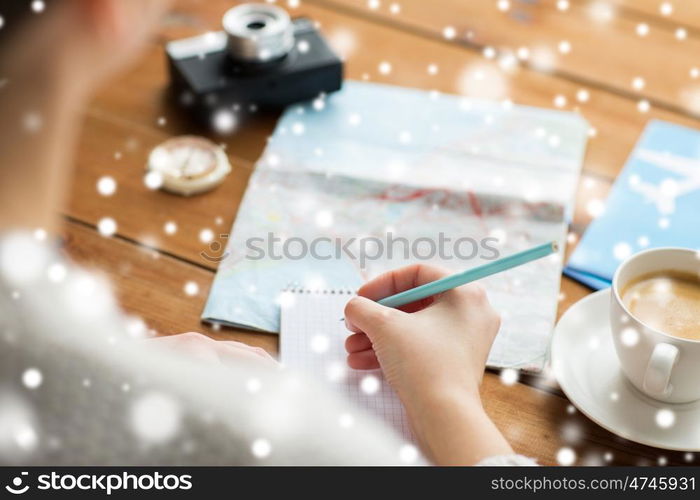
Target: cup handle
{"points": [[658, 372]]}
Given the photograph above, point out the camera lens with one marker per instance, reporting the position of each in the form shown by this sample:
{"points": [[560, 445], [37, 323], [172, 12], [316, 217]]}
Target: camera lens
{"points": [[258, 33]]}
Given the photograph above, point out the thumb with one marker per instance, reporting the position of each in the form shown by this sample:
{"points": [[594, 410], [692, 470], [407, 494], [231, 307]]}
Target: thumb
{"points": [[370, 317]]}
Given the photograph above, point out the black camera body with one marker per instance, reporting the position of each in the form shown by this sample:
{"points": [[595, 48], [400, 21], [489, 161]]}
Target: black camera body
{"points": [[215, 71]]}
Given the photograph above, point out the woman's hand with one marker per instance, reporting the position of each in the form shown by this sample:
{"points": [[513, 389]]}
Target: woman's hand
{"points": [[433, 354], [438, 344]]}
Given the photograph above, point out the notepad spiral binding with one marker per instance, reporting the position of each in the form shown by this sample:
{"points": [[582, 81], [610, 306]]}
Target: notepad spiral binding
{"points": [[319, 291]]}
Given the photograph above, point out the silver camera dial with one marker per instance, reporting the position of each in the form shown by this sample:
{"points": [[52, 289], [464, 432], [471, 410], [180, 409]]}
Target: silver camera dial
{"points": [[258, 33]]}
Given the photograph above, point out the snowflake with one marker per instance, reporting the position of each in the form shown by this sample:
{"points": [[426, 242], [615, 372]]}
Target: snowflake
{"points": [[509, 376], [320, 344], [298, 128], [563, 5], [253, 385], [681, 34], [319, 103], [622, 250], [32, 122], [665, 418], [224, 121], [483, 80], [566, 456], [489, 52], [155, 417], [286, 300], [384, 67], [153, 180], [370, 384], [638, 83], [107, 226], [408, 453], [595, 207], [395, 8], [206, 235], [261, 448], [346, 420], [26, 437], [543, 58], [336, 371], [666, 9], [106, 186], [560, 101], [564, 47], [642, 29], [503, 5], [324, 218], [354, 119], [170, 227], [191, 288], [582, 95], [601, 12], [373, 4], [57, 272], [449, 32], [629, 336], [32, 378], [38, 6], [303, 46]]}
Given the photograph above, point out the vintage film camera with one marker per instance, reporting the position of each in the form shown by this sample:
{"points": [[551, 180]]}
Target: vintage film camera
{"points": [[262, 60]]}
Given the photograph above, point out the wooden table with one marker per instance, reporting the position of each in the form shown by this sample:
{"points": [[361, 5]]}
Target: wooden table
{"points": [[130, 115]]}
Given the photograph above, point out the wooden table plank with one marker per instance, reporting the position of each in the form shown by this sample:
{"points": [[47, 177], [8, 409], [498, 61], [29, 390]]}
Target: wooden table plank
{"points": [[150, 285], [684, 13], [605, 51]]}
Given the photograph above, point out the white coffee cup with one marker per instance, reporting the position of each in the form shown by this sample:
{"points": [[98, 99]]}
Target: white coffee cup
{"points": [[662, 366]]}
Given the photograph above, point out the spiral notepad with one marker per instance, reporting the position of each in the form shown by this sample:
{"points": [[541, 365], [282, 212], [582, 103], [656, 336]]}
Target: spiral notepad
{"points": [[313, 341]]}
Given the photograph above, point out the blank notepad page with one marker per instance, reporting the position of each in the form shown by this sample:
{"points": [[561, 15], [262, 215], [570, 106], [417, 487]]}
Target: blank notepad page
{"points": [[312, 340]]}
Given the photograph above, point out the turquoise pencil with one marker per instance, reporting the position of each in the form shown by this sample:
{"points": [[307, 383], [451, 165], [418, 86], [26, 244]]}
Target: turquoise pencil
{"points": [[459, 279]]}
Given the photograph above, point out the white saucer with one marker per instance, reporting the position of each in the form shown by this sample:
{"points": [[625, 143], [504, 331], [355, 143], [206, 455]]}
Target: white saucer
{"points": [[587, 369]]}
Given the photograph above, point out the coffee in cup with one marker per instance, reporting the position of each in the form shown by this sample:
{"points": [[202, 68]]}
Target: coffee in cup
{"points": [[668, 301], [655, 322]]}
